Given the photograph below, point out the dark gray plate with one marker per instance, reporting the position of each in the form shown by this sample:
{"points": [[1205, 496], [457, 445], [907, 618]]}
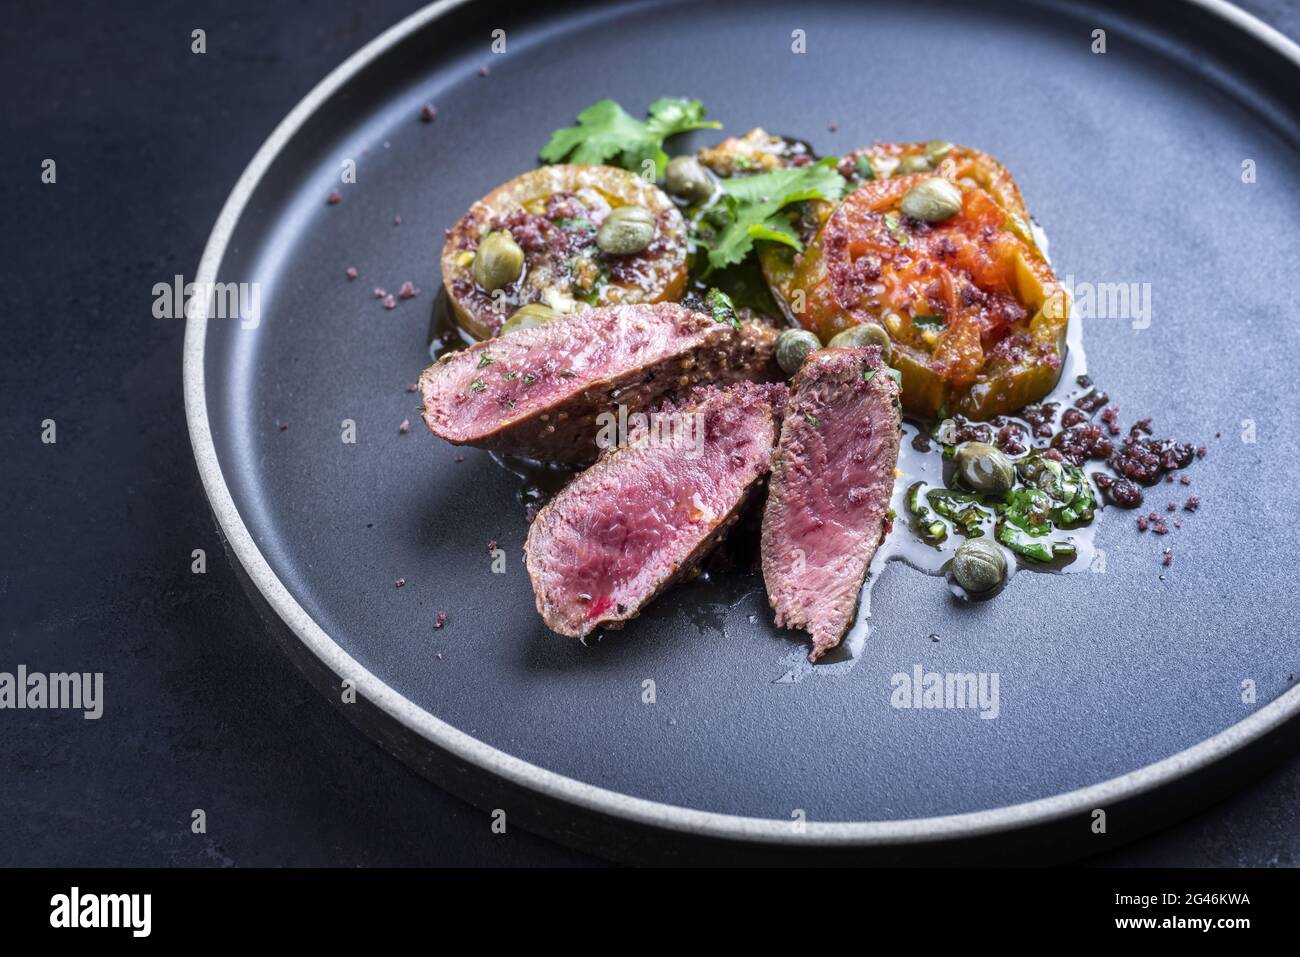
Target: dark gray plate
{"points": [[1111, 685]]}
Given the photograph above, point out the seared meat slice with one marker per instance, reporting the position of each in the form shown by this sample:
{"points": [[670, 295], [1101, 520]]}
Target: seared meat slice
{"points": [[830, 489], [538, 392], [645, 514]]}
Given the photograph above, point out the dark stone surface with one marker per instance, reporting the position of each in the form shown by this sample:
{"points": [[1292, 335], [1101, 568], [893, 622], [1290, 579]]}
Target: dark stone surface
{"points": [[202, 710]]}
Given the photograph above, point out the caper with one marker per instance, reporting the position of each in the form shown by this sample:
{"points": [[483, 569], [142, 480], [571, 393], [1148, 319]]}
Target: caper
{"points": [[626, 230], [979, 565], [685, 176], [912, 164], [932, 200], [985, 469], [793, 346], [498, 262], [529, 316], [867, 334], [936, 150]]}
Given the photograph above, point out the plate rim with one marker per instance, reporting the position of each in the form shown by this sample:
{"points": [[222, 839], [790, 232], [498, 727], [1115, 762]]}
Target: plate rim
{"points": [[551, 784]]}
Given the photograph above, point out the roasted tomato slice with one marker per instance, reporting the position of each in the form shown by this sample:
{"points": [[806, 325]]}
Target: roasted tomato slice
{"points": [[961, 164], [975, 313], [553, 214]]}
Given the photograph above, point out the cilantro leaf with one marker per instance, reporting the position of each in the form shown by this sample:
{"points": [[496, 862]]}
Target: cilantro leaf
{"points": [[606, 132], [754, 204]]}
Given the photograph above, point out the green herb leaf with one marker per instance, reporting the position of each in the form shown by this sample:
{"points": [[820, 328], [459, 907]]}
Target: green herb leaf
{"points": [[606, 132], [863, 167], [722, 308], [896, 230], [752, 204], [928, 321]]}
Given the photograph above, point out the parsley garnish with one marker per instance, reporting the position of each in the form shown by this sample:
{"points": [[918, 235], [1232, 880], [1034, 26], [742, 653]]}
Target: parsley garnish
{"points": [[753, 203], [811, 419], [928, 321], [529, 378], [485, 360], [606, 131], [863, 166], [894, 374], [722, 308], [478, 385], [895, 230]]}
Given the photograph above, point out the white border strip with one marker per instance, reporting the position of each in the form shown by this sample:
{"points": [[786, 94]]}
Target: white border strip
{"points": [[556, 786]]}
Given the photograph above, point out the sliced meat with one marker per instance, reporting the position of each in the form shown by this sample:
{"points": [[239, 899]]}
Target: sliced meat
{"points": [[644, 516], [539, 392], [831, 483]]}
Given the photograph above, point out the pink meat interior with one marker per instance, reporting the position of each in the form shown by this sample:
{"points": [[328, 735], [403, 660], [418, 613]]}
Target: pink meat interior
{"points": [[502, 380]]}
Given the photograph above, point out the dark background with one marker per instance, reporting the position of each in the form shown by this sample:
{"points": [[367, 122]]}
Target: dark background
{"points": [[202, 709]]}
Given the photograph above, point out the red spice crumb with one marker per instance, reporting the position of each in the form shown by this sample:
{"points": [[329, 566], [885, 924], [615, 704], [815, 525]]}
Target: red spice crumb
{"points": [[1177, 524], [412, 387], [1153, 517], [428, 113], [380, 292], [334, 198], [440, 620], [1159, 527], [1053, 454], [459, 458], [397, 220], [399, 583], [281, 425], [1142, 523], [404, 427], [1200, 451], [1185, 480], [1193, 503], [1171, 507], [1072, 417], [833, 127], [352, 272], [1168, 558], [492, 545], [1169, 477], [483, 71], [408, 290], [390, 302]]}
